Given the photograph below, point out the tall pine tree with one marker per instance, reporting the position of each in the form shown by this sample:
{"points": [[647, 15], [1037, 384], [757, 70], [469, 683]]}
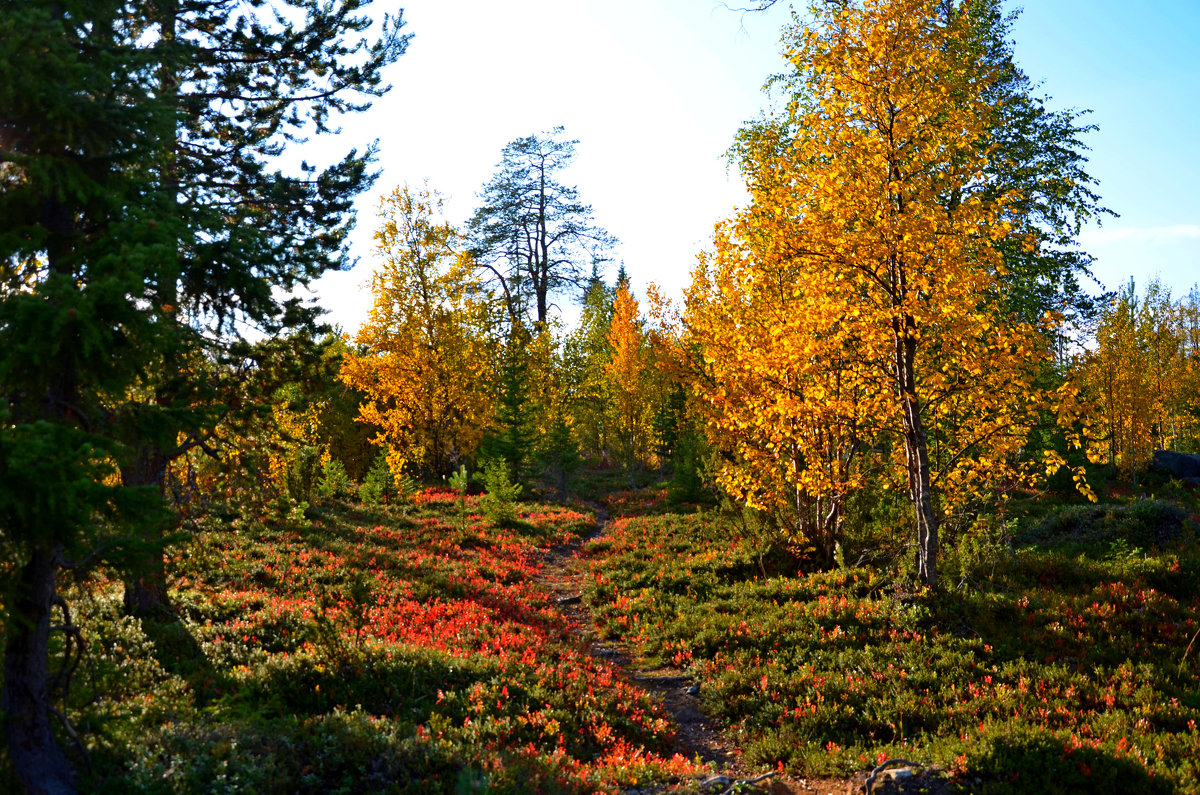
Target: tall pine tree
{"points": [[84, 233], [144, 222]]}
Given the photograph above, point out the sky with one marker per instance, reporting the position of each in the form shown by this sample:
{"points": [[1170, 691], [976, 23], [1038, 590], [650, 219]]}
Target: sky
{"points": [[655, 90]]}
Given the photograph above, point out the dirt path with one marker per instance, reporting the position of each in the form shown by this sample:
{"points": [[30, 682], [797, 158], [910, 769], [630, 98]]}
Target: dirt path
{"points": [[562, 572]]}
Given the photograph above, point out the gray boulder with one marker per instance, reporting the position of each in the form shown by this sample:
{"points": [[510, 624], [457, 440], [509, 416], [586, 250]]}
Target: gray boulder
{"points": [[899, 777], [1179, 465]]}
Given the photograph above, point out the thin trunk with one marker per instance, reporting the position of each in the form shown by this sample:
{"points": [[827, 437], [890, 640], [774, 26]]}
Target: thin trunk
{"points": [[542, 279], [36, 757], [916, 442], [916, 451]]}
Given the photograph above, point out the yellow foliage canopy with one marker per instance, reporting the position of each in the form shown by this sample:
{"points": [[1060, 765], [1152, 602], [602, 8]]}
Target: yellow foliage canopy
{"points": [[1142, 380], [629, 382], [851, 308], [426, 362]]}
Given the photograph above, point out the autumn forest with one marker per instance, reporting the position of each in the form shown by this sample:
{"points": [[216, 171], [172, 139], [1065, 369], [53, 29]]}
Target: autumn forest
{"points": [[894, 497]]}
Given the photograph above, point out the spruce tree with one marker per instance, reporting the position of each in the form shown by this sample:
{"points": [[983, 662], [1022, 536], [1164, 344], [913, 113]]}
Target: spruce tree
{"points": [[243, 80], [586, 355], [84, 233], [512, 438], [144, 225]]}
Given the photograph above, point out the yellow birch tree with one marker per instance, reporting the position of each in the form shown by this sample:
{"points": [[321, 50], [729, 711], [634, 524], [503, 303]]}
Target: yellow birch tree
{"points": [[628, 379], [427, 364], [855, 303], [1141, 378]]}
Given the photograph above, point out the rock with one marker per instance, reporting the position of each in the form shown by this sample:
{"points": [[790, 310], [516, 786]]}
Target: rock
{"points": [[570, 600], [713, 782], [905, 779], [693, 690], [1180, 465], [729, 785]]}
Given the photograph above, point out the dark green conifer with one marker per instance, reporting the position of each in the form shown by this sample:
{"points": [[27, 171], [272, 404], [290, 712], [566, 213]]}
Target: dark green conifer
{"points": [[513, 436], [143, 224]]}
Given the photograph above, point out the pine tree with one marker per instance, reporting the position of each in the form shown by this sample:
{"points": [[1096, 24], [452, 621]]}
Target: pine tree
{"points": [[142, 224], [84, 233], [532, 237]]}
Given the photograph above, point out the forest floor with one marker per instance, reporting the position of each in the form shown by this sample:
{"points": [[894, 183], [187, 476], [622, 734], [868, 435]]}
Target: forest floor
{"points": [[1059, 656], [632, 647], [564, 572]]}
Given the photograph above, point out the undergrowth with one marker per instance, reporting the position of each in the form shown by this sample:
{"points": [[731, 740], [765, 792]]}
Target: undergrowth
{"points": [[1064, 669], [361, 650]]}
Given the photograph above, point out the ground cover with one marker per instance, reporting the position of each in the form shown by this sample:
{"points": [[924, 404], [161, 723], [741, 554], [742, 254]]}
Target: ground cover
{"points": [[361, 650], [1063, 668]]}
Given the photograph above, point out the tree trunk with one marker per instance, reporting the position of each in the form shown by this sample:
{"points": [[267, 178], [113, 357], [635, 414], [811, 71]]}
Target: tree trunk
{"points": [[916, 452], [146, 582], [36, 757], [33, 750]]}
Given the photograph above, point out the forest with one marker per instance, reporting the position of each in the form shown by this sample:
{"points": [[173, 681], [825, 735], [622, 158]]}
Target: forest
{"points": [[895, 497]]}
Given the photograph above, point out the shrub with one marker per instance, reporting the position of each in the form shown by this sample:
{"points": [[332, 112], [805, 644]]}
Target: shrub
{"points": [[1144, 523], [334, 481], [498, 502]]}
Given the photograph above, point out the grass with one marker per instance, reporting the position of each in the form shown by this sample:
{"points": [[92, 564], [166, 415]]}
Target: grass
{"points": [[361, 650], [1062, 669]]}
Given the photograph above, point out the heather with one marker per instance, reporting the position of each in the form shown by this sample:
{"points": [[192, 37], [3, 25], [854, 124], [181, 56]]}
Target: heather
{"points": [[361, 650], [1060, 666]]}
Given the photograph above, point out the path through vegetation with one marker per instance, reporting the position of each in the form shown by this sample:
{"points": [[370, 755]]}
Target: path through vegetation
{"points": [[563, 572]]}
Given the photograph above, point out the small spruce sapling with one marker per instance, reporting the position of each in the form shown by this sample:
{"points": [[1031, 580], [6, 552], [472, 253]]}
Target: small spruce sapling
{"points": [[379, 485], [501, 493], [334, 482], [303, 472], [560, 455]]}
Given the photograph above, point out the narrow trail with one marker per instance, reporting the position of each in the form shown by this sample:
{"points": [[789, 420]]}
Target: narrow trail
{"points": [[562, 572]]}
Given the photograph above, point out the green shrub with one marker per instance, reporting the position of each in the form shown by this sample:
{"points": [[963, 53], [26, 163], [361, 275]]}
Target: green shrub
{"points": [[499, 501], [379, 486], [977, 551], [1094, 528], [334, 482]]}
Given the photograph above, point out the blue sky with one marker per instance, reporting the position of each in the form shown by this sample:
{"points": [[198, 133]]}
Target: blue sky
{"points": [[1136, 67], [655, 90]]}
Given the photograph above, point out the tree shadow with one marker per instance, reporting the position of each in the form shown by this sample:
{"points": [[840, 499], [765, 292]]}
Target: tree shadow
{"points": [[1042, 762], [180, 654]]}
